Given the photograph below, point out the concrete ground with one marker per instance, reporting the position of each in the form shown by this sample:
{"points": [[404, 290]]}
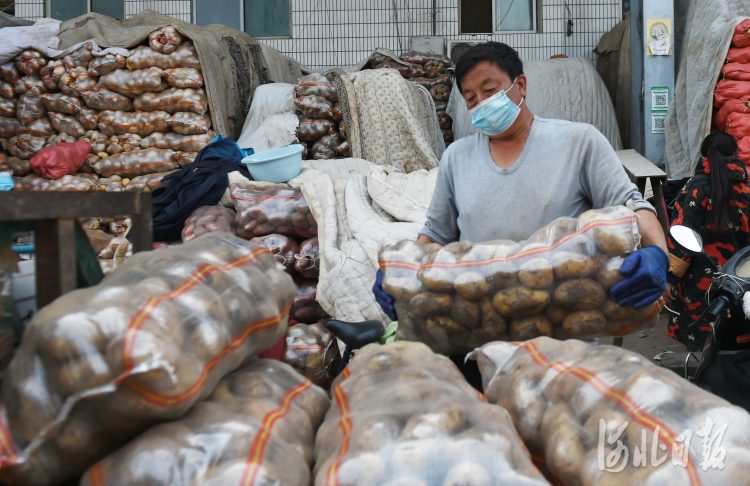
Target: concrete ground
{"points": [[651, 342]]}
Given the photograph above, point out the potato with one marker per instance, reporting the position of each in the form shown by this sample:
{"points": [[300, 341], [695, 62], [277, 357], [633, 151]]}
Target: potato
{"points": [[556, 313], [437, 279], [609, 275], [526, 328], [564, 452], [466, 312], [471, 285], [583, 323], [569, 265], [580, 294], [492, 321], [502, 275], [430, 303], [520, 301], [536, 273], [467, 473], [443, 329], [401, 288], [614, 311]]}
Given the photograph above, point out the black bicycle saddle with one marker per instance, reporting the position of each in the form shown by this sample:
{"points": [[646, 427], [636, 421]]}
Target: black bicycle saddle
{"points": [[356, 334]]}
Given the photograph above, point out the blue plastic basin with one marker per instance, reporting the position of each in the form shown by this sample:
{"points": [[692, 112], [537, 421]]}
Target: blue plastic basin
{"points": [[277, 165]]}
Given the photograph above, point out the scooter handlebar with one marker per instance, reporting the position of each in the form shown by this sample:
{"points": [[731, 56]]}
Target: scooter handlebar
{"points": [[713, 313]]}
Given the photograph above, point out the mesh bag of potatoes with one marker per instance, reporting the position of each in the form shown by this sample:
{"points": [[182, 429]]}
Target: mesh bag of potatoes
{"points": [[8, 107], [100, 365], [173, 100], [283, 248], [209, 219], [33, 182], [147, 183], [184, 55], [139, 122], [6, 90], [52, 72], [25, 146], [67, 124], [104, 99], [184, 78], [318, 85], [178, 142], [123, 143], [26, 83], [76, 81], [187, 123], [106, 64], [257, 427], [165, 40], [136, 163], [10, 127], [312, 351], [556, 283], [133, 83], [403, 415], [277, 209], [19, 166], [30, 61], [603, 415], [61, 103]]}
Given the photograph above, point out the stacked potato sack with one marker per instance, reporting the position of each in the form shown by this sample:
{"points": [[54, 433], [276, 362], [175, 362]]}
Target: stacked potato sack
{"points": [[280, 219], [430, 71], [732, 95], [321, 130]]}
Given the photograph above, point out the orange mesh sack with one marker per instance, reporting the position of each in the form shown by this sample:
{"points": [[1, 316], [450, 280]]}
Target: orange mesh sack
{"points": [[8, 107], [34, 182], [103, 99], [209, 219], [185, 158], [136, 163], [139, 123], [51, 74], [25, 146], [9, 72], [184, 77], [275, 210], [403, 415], [132, 83], [123, 143], [556, 283], [62, 138], [258, 427], [62, 103], [313, 352], [13, 126], [88, 117], [100, 66], [319, 85], [6, 90], [67, 124], [146, 183], [186, 123], [30, 62], [76, 81], [603, 415], [175, 141], [165, 40], [184, 55], [30, 106], [19, 166], [98, 141], [80, 57], [173, 100], [100, 365], [26, 83]]}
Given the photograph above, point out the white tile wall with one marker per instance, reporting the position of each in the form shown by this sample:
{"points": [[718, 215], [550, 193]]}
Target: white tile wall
{"points": [[342, 32], [179, 9]]}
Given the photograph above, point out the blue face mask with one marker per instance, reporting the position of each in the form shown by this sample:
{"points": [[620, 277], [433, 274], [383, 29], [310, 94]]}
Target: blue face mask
{"points": [[496, 114]]}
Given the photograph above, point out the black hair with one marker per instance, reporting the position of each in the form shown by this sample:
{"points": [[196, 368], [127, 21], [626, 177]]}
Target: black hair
{"points": [[715, 148], [504, 56]]}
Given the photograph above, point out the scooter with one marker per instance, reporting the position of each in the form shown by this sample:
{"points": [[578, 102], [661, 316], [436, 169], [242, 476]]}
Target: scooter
{"points": [[724, 368]]}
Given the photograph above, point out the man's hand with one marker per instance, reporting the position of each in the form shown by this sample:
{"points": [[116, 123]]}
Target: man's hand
{"points": [[645, 273], [382, 298], [668, 293]]}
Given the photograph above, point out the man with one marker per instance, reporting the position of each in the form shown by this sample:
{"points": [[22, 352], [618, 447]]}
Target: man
{"points": [[522, 172]]}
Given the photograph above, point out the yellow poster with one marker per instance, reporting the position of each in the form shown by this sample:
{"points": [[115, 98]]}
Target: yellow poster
{"points": [[659, 37]]}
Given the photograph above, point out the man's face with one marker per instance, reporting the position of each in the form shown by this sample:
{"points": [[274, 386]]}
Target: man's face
{"points": [[485, 79]]}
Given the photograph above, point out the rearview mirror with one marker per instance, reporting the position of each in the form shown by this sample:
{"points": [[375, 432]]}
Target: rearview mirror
{"points": [[687, 238]]}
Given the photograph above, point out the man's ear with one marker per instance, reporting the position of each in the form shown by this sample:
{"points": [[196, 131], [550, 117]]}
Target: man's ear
{"points": [[521, 83]]}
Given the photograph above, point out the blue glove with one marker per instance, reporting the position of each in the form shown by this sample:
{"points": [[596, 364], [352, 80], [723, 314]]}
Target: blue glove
{"points": [[645, 273], [385, 300]]}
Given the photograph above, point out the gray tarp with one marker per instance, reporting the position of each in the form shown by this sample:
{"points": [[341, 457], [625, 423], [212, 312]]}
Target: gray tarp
{"points": [[708, 35], [11, 21], [281, 69], [232, 61], [613, 65]]}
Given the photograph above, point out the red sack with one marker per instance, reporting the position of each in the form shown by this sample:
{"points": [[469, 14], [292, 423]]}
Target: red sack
{"points": [[743, 150], [731, 106], [738, 125], [739, 54], [63, 159], [729, 89], [736, 71], [741, 37]]}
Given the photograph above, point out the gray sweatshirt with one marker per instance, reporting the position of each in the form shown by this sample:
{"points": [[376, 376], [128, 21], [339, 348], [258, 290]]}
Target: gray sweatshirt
{"points": [[565, 169]]}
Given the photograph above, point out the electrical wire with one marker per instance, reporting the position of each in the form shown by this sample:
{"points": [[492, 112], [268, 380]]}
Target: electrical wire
{"points": [[506, 14]]}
